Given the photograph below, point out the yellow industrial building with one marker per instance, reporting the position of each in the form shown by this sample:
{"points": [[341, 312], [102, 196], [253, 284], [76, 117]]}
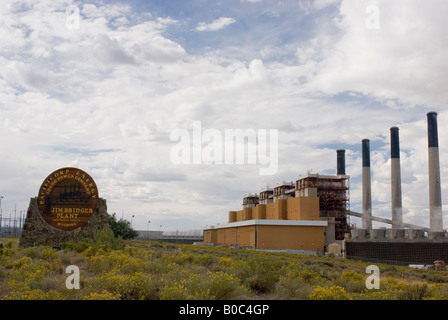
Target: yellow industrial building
{"points": [[291, 216], [269, 234]]}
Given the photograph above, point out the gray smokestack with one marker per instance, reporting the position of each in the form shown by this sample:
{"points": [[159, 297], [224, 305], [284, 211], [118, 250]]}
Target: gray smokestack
{"points": [[366, 186], [340, 162], [435, 194], [397, 215]]}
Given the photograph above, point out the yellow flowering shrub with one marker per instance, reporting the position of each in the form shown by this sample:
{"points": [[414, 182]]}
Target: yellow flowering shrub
{"points": [[175, 291], [224, 286], [135, 286], [329, 293], [150, 270], [105, 295], [36, 294], [351, 281]]}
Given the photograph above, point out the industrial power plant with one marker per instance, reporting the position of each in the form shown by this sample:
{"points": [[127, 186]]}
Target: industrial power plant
{"points": [[312, 215]]}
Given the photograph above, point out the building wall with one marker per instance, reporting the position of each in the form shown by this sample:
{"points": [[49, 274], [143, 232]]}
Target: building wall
{"points": [[290, 237], [232, 216], [239, 215], [269, 237], [298, 208], [259, 212], [211, 236], [247, 213], [273, 236], [303, 208], [230, 237], [276, 210], [246, 236]]}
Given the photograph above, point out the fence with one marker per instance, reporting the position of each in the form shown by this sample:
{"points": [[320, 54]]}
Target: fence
{"points": [[10, 227], [398, 252], [171, 236]]}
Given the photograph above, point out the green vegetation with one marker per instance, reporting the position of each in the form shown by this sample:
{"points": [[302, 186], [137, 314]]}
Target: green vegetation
{"points": [[113, 269], [121, 228]]}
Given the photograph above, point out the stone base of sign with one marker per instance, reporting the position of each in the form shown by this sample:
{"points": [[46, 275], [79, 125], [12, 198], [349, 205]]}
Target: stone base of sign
{"points": [[37, 232]]}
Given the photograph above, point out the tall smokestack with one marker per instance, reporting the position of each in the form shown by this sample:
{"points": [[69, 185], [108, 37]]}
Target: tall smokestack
{"points": [[397, 215], [340, 162], [366, 186], [435, 194]]}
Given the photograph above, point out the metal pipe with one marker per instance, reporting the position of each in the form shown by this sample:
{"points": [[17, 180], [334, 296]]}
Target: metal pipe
{"points": [[435, 194], [340, 162], [366, 186], [397, 211]]}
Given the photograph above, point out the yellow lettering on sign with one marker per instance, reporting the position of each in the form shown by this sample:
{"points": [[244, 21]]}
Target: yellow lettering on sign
{"points": [[67, 215]]}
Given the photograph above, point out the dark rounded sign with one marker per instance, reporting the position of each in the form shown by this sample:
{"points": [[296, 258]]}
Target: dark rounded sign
{"points": [[67, 198]]}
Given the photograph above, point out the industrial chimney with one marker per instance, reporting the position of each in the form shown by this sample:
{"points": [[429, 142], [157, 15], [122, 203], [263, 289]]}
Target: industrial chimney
{"points": [[366, 186], [435, 194], [340, 162], [397, 215]]}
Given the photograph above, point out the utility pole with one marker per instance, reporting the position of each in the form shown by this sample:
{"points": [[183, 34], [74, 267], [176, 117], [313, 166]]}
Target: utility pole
{"points": [[1, 213]]}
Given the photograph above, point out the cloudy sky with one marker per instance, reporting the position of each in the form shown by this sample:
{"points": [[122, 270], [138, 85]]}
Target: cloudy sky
{"points": [[103, 85]]}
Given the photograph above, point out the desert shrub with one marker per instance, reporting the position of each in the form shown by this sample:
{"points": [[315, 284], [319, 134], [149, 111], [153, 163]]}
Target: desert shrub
{"points": [[186, 284], [132, 265], [304, 274], [49, 254], [183, 284], [390, 270], [412, 292], [34, 294], [105, 295], [329, 293], [107, 261], [78, 246], [184, 258], [373, 295], [136, 286], [204, 259], [30, 279], [435, 276], [28, 274], [293, 288], [17, 264], [226, 262], [263, 274], [437, 292], [351, 281], [224, 286], [102, 239], [32, 252], [298, 283], [161, 266], [106, 239], [175, 291], [9, 249]]}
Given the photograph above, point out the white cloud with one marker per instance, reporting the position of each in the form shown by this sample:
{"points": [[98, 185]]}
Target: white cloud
{"points": [[321, 4], [121, 83], [215, 25], [404, 58]]}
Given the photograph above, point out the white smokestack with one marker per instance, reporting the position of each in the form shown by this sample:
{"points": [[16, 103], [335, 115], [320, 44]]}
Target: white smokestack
{"points": [[366, 186], [435, 194], [397, 215]]}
